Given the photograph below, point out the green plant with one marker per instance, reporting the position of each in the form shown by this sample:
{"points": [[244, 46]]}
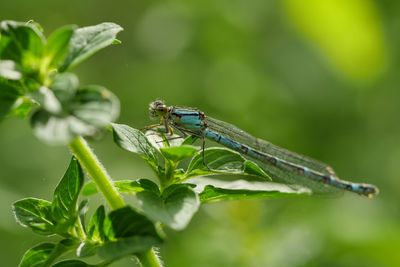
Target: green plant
{"points": [[36, 82]]}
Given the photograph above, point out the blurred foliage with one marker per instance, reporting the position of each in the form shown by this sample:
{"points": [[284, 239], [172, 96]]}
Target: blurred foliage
{"points": [[317, 77], [348, 33]]}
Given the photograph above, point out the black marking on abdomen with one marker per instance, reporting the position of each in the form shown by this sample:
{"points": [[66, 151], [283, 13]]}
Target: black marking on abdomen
{"points": [[244, 149]]}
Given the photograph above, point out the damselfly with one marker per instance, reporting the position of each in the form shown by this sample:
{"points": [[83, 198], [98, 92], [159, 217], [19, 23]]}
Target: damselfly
{"points": [[280, 164]]}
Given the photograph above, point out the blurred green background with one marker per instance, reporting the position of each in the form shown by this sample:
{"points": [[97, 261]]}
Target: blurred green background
{"points": [[317, 77]]}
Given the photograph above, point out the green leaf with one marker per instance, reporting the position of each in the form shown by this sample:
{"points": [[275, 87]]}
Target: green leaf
{"points": [[178, 153], [126, 222], [213, 190], [84, 112], [23, 43], [95, 229], [87, 249], [123, 186], [64, 87], [35, 214], [129, 186], [190, 140], [8, 96], [87, 41], [38, 255], [222, 161], [72, 263], [66, 194], [95, 105], [116, 42], [59, 130], [252, 168], [174, 207], [127, 246], [159, 139], [57, 46], [136, 142], [47, 100], [127, 232], [9, 70], [22, 107], [89, 189], [44, 254], [148, 185], [82, 210]]}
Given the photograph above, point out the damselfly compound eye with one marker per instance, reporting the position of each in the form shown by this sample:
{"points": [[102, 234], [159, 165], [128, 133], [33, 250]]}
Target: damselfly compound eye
{"points": [[157, 108]]}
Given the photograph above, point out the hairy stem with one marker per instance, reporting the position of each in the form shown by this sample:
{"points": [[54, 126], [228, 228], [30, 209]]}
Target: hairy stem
{"points": [[81, 150], [149, 259]]}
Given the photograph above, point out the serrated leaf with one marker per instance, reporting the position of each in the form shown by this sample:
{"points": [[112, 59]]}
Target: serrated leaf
{"points": [[87, 41], [213, 190], [95, 105], [66, 194], [178, 153], [126, 222], [35, 214], [174, 207], [44, 254], [23, 43], [72, 263], [127, 246], [131, 139], [136, 142], [57, 47], [125, 230], [218, 160]]}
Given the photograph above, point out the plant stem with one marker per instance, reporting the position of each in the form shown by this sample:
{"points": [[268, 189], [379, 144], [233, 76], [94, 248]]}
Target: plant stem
{"points": [[81, 150], [149, 259]]}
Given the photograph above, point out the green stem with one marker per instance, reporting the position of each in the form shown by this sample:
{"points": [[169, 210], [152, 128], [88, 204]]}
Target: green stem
{"points": [[97, 172], [81, 150], [149, 259]]}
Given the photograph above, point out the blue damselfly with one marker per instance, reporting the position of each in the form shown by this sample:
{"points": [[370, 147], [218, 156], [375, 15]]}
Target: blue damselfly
{"points": [[280, 164]]}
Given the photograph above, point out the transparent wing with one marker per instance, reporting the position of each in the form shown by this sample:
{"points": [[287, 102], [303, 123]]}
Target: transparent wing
{"points": [[276, 173]]}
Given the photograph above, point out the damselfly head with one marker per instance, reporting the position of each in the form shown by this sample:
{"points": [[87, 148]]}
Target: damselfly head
{"points": [[157, 109]]}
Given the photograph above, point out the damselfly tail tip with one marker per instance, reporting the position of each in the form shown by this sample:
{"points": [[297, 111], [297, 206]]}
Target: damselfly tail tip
{"points": [[370, 190]]}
